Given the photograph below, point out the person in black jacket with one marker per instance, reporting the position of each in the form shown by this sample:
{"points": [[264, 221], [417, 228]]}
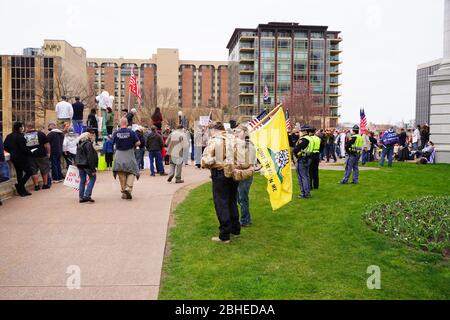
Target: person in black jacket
{"points": [[93, 123], [86, 161], [155, 144], [16, 145], [77, 118], [56, 140]]}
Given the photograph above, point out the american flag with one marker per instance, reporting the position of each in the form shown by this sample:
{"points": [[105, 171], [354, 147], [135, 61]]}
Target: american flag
{"points": [[134, 88], [255, 122], [288, 121], [266, 92], [363, 122]]}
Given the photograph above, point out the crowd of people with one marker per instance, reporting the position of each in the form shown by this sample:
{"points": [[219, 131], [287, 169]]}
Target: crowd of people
{"points": [[400, 144], [228, 154]]}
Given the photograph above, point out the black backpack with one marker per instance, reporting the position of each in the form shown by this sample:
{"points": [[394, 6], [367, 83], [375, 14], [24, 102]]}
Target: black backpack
{"points": [[81, 158]]}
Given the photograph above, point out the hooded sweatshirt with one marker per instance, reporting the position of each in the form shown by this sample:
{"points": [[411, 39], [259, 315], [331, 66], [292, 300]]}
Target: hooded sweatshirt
{"points": [[70, 143], [56, 139]]}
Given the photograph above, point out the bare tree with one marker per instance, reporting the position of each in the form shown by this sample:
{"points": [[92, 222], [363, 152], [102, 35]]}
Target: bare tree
{"points": [[300, 103], [49, 90]]}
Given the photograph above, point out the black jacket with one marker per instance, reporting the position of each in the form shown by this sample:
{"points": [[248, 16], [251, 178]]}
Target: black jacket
{"points": [[154, 142], [92, 121], [78, 109], [56, 139], [16, 145], [302, 145], [86, 156]]}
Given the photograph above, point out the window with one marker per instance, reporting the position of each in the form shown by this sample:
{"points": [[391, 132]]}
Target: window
{"points": [[317, 35], [317, 44], [284, 43], [301, 34], [268, 43], [301, 44]]}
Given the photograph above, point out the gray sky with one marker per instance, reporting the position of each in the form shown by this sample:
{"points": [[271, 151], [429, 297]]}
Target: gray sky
{"points": [[384, 40]]}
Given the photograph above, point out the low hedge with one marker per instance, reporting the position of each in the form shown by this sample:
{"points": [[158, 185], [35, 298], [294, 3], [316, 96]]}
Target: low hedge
{"points": [[423, 222]]}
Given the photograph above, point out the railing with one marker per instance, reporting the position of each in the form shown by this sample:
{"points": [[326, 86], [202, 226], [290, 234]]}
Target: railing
{"points": [[246, 68]]}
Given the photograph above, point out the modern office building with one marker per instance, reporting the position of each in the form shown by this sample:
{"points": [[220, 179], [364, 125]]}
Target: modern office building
{"points": [[285, 57], [164, 77], [26, 89], [32, 83], [423, 90]]}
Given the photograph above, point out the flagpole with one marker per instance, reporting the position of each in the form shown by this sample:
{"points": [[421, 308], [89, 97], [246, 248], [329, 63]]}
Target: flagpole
{"points": [[270, 114]]}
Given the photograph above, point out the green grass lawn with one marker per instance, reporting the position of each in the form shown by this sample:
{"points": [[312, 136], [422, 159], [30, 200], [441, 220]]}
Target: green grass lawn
{"points": [[311, 249]]}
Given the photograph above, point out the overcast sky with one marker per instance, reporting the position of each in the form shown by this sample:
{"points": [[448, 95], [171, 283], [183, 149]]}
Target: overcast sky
{"points": [[384, 40]]}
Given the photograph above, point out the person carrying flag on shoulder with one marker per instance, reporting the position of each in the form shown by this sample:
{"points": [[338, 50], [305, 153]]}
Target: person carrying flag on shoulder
{"points": [[303, 152], [353, 147]]}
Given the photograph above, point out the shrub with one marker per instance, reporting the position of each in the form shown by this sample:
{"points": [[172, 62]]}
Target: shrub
{"points": [[423, 222]]}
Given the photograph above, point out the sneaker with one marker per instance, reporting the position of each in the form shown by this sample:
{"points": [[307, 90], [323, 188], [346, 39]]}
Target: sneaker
{"points": [[179, 181], [83, 200], [342, 182], [163, 174], [170, 179], [217, 239], [124, 196], [90, 200], [152, 175], [246, 225], [37, 188], [45, 187]]}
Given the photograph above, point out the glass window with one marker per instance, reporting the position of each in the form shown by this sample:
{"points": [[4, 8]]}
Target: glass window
{"points": [[300, 66], [267, 34], [284, 44], [268, 43], [317, 35], [317, 44], [301, 44], [284, 54], [301, 34], [284, 66], [301, 55], [317, 55]]}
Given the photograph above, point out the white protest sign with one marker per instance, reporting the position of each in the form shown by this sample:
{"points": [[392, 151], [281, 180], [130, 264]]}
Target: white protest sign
{"points": [[72, 179], [204, 120]]}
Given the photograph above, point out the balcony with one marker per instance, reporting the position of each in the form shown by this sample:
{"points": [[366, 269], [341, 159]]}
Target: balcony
{"points": [[334, 60], [335, 72], [246, 47], [335, 40]]}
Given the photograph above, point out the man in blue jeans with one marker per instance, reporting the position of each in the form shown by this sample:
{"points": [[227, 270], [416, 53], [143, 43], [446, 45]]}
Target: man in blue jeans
{"points": [[389, 140], [243, 191], [86, 160], [154, 144]]}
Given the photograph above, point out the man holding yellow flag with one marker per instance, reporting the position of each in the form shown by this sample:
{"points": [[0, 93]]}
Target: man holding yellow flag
{"points": [[273, 152]]}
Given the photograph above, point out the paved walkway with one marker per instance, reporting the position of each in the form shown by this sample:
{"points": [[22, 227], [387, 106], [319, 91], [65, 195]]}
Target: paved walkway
{"points": [[117, 244]]}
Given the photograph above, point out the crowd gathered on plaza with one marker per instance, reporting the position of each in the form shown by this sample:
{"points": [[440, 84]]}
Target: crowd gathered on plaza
{"points": [[228, 153]]}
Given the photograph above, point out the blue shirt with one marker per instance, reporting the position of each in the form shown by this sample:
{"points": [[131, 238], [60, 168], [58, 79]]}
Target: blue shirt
{"points": [[125, 139]]}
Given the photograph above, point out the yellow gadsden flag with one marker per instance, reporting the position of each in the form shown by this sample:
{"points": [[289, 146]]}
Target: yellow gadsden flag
{"points": [[273, 152]]}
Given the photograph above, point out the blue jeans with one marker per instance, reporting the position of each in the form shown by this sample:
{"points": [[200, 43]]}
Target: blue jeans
{"points": [[365, 157], [389, 152], [86, 191], [77, 126], [56, 167], [351, 164], [157, 157], [139, 153], [243, 191]]}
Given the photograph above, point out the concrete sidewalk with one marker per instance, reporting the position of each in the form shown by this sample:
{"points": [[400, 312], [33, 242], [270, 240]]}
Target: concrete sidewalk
{"points": [[117, 244]]}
